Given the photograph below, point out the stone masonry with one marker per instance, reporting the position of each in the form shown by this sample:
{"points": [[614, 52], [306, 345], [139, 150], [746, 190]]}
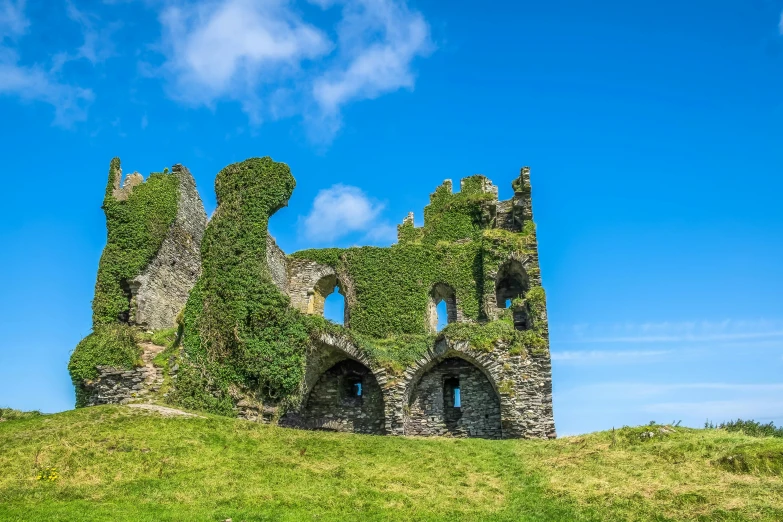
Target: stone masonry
{"points": [[432, 408], [161, 290], [502, 394], [116, 386]]}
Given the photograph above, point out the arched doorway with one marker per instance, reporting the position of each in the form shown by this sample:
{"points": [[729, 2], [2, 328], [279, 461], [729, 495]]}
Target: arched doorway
{"points": [[346, 397], [454, 398]]}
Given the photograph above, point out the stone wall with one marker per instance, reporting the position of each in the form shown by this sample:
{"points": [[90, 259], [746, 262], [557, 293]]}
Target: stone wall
{"points": [[432, 410], [277, 263], [332, 406], [161, 290], [118, 386], [512, 392], [306, 294]]}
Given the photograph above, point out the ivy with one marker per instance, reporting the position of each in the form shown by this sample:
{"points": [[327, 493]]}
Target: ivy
{"points": [[113, 345], [325, 256], [240, 332], [136, 228], [455, 247]]}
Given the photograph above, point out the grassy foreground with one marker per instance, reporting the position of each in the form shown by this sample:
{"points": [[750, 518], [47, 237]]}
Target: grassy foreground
{"points": [[115, 463]]}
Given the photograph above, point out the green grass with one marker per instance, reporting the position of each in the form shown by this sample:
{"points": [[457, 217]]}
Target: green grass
{"points": [[115, 463]]}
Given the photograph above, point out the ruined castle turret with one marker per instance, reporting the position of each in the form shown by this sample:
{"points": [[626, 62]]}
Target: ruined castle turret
{"points": [[253, 343]]}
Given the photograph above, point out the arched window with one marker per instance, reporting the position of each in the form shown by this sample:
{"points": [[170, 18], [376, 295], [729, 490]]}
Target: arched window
{"points": [[512, 284], [334, 306], [442, 308], [327, 299]]}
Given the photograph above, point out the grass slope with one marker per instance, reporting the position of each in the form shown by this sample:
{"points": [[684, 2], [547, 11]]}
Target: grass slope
{"points": [[114, 463]]}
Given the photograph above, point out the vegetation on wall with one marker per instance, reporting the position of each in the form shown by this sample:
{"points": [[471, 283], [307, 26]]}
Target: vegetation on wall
{"points": [[240, 332], [113, 345], [136, 229], [388, 321], [240, 337], [455, 248]]}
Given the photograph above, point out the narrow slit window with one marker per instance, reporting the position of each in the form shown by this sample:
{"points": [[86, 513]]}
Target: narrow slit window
{"points": [[352, 386], [451, 393]]}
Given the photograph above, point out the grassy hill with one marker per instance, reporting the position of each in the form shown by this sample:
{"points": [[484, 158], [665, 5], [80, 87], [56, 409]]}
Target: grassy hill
{"points": [[117, 463]]}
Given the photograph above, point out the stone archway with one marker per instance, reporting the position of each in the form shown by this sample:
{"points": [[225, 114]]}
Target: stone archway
{"points": [[453, 397], [346, 397], [329, 402]]}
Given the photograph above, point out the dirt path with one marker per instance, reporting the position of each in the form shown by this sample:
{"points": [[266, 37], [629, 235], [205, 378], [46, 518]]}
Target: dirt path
{"points": [[164, 410]]}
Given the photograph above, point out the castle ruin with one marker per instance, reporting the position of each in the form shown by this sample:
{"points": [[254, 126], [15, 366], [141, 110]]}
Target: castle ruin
{"points": [[250, 337]]}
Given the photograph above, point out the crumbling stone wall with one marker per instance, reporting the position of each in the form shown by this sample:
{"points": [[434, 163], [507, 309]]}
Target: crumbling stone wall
{"points": [[277, 263], [332, 406], [303, 285], [432, 410], [473, 252], [119, 386], [161, 290]]}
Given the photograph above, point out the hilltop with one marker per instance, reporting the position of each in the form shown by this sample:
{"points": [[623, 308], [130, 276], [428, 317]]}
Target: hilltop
{"points": [[120, 463]]}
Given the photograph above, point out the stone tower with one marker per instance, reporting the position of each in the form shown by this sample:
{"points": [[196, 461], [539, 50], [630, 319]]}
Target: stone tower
{"points": [[388, 369]]}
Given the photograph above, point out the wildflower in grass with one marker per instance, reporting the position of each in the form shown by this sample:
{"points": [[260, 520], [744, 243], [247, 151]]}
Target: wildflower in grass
{"points": [[49, 474]]}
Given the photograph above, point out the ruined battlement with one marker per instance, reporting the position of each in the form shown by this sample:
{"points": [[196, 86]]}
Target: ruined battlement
{"points": [[252, 340]]}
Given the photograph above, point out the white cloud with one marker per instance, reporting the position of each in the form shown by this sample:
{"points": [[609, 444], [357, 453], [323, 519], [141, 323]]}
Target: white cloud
{"points": [[759, 408], [341, 210], [230, 48], [97, 45], [378, 41], [381, 234], [647, 389], [12, 19], [33, 82], [265, 56], [678, 332]]}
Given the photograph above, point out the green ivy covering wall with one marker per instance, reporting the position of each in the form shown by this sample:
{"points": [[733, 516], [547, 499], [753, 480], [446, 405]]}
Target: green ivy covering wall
{"points": [[240, 332], [136, 228], [455, 247], [240, 336], [108, 345]]}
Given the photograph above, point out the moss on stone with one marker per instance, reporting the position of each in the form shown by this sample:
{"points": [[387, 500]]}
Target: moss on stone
{"points": [[136, 227], [114, 345]]}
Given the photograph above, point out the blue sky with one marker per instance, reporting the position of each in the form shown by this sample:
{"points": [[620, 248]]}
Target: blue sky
{"points": [[653, 132]]}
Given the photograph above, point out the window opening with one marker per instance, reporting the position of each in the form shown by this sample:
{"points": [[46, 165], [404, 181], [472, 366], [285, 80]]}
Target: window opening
{"points": [[443, 317], [334, 307], [442, 308], [353, 387], [451, 393]]}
